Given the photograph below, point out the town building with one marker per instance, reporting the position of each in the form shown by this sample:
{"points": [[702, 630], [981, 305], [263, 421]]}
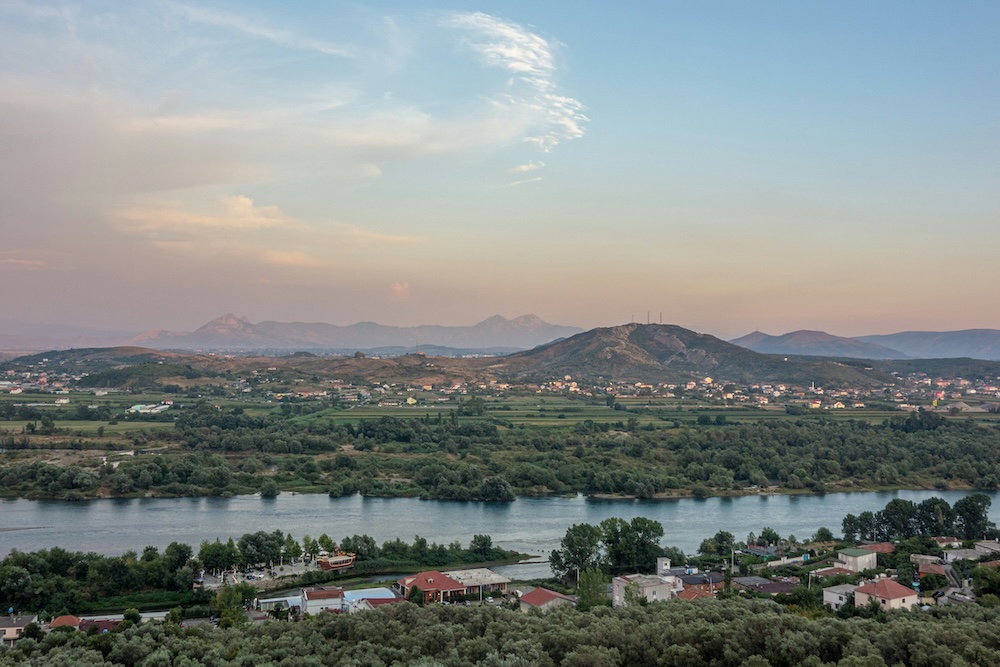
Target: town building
{"points": [[650, 587], [856, 560], [12, 627], [888, 593], [436, 586], [320, 599], [543, 599], [480, 581], [836, 597]]}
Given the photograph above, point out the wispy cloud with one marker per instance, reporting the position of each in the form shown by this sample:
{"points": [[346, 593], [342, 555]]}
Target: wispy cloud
{"points": [[524, 182], [22, 264], [524, 168], [237, 227], [530, 59], [247, 27], [232, 214]]}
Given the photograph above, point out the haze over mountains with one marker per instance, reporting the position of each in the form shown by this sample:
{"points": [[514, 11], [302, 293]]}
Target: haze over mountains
{"points": [[971, 343], [494, 334]]}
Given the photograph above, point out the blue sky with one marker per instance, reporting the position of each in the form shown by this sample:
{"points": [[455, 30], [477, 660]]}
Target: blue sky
{"points": [[732, 165]]}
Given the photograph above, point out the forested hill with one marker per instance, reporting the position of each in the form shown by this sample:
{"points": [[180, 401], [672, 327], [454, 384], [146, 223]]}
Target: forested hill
{"points": [[669, 353]]}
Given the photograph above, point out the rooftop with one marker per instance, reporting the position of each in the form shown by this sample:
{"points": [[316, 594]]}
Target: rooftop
{"points": [[855, 553], [886, 589], [539, 596], [479, 576]]}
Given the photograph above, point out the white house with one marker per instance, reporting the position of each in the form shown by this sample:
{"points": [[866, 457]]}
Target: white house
{"points": [[856, 560], [836, 596], [652, 587]]}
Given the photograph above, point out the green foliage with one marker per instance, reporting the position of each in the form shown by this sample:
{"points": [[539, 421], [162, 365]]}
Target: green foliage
{"points": [[591, 590], [212, 451], [721, 632], [902, 519]]}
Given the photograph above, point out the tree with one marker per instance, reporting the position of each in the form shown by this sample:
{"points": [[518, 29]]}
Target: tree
{"points": [[898, 519], [631, 546], [176, 556], [495, 489], [768, 536], [580, 548], [326, 544], [481, 545], [721, 544], [867, 525], [417, 596], [591, 590], [972, 517], [291, 550], [935, 516], [269, 488], [823, 535], [850, 527]]}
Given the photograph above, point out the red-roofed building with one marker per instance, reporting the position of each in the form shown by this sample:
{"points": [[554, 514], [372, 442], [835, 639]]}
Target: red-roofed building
{"points": [[888, 593], [695, 594], [931, 568], [544, 599], [436, 586], [881, 547], [947, 542], [316, 600], [65, 621]]}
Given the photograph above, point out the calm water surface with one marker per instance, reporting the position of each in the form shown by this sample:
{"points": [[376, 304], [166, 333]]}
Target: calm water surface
{"points": [[528, 525]]}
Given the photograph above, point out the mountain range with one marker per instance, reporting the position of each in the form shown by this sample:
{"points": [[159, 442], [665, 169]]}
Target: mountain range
{"points": [[493, 335], [631, 352], [971, 343]]}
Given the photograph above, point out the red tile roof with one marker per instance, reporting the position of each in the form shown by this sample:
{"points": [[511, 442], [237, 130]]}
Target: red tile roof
{"points": [[431, 581], [886, 589], [65, 621], [378, 602], [694, 594], [539, 596], [881, 548], [931, 568], [324, 594]]}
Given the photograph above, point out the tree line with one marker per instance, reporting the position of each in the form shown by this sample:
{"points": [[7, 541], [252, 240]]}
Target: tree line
{"points": [[55, 579], [227, 451]]}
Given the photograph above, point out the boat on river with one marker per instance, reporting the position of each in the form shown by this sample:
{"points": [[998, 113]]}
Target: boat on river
{"points": [[336, 561]]}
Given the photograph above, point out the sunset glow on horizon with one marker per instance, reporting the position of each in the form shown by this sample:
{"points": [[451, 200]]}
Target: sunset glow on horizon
{"points": [[727, 167]]}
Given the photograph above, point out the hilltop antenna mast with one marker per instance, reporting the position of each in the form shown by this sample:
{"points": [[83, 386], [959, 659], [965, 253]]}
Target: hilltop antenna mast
{"points": [[647, 317], [661, 317]]}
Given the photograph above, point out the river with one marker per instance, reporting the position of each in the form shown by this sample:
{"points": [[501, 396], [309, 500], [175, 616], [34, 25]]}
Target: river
{"points": [[528, 525]]}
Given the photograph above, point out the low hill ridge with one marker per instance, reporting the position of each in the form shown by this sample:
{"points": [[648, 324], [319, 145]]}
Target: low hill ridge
{"points": [[817, 344], [666, 352]]}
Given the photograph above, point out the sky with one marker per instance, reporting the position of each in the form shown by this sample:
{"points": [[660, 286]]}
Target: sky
{"points": [[727, 166]]}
